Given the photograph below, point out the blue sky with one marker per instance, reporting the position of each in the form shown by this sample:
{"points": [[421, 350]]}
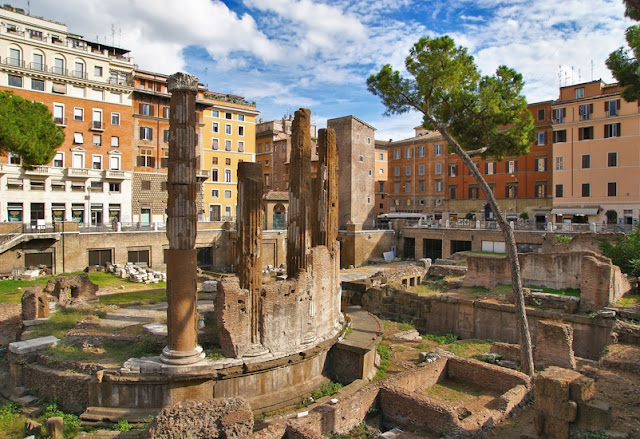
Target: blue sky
{"points": [[286, 54]]}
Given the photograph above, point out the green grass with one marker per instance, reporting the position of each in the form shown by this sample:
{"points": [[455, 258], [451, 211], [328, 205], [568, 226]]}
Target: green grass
{"points": [[406, 326], [327, 389], [426, 289], [11, 423], [629, 300], [573, 292], [145, 297], [385, 361], [481, 253], [70, 423], [60, 322], [441, 339], [113, 350], [12, 290], [471, 348]]}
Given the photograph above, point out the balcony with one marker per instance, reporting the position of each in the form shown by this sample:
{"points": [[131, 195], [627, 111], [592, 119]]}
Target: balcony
{"points": [[97, 125], [77, 173], [115, 174], [202, 174], [60, 121], [37, 170]]}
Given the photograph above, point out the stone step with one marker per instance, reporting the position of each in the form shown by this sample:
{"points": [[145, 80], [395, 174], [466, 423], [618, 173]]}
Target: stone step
{"points": [[29, 400], [114, 414], [19, 392]]}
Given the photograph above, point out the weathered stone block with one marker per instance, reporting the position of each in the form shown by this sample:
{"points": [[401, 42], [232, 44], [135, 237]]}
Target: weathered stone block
{"points": [[554, 345], [582, 389], [54, 428], [594, 415], [35, 303]]}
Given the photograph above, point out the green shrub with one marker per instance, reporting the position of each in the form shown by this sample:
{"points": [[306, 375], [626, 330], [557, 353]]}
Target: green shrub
{"points": [[122, 425], [11, 423], [327, 389], [70, 423], [448, 338]]}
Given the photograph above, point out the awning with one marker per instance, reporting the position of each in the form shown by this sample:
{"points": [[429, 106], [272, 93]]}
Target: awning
{"points": [[575, 211]]}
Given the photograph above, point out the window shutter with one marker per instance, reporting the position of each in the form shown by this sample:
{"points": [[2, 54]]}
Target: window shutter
{"points": [[140, 160], [606, 106], [564, 112], [618, 104], [141, 132], [545, 164], [515, 166], [590, 108], [150, 110], [150, 133], [140, 108]]}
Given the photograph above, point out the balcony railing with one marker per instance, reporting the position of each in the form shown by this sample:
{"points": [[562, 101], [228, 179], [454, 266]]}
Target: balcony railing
{"points": [[38, 170], [97, 125], [78, 172], [113, 174], [60, 121]]}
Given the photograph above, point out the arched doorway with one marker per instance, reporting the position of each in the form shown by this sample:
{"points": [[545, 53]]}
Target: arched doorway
{"points": [[279, 217]]}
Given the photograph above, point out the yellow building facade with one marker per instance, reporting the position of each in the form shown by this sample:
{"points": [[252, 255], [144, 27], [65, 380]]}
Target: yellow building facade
{"points": [[229, 137]]}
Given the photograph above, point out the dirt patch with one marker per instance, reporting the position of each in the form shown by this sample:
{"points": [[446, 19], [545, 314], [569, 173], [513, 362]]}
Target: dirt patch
{"points": [[466, 398]]}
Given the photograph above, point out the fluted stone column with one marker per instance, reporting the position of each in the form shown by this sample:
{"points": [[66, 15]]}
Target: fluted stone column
{"points": [[249, 243], [325, 221], [182, 341], [298, 232]]}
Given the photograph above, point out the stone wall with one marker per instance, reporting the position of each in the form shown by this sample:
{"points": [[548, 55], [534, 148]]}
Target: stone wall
{"points": [[599, 281], [70, 388], [10, 322], [357, 246], [468, 318]]}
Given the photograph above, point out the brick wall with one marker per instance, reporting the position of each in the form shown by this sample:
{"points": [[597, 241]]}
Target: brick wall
{"points": [[10, 322]]}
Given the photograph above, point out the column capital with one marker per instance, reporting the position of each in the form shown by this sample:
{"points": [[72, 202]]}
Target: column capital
{"points": [[182, 81]]}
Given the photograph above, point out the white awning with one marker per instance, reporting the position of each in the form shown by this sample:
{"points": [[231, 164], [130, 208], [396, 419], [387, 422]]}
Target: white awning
{"points": [[575, 211]]}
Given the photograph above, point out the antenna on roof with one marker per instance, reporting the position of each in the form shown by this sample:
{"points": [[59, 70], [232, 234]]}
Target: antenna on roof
{"points": [[119, 35], [28, 7], [592, 69], [113, 34], [579, 76], [559, 76]]}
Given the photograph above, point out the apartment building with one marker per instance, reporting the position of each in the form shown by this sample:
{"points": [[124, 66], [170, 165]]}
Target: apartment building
{"points": [[273, 147], [380, 174], [595, 155], [228, 137], [86, 86], [416, 173]]}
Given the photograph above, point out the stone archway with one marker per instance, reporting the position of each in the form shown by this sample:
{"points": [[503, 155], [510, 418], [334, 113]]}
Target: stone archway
{"points": [[279, 217]]}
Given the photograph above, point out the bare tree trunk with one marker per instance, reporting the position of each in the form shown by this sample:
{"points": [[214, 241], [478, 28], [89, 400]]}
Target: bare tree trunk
{"points": [[526, 353]]}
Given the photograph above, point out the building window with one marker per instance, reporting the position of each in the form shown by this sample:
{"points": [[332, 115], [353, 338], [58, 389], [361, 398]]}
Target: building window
{"points": [[78, 70], [146, 158], [559, 163], [146, 110], [37, 84], [266, 180], [396, 171], [146, 133], [145, 185], [115, 142], [227, 161], [585, 133], [612, 159], [407, 186], [227, 193], [559, 114], [586, 161], [58, 160], [490, 168], [14, 81], [115, 119], [240, 130], [396, 187], [408, 153], [512, 166], [214, 174], [227, 175], [361, 158], [511, 190], [542, 138], [227, 145], [396, 154], [579, 92], [78, 139], [214, 144], [166, 112], [541, 164], [227, 129], [438, 149], [241, 117], [438, 185], [114, 162], [381, 186], [612, 189], [421, 186], [228, 116], [473, 192], [453, 170], [420, 169], [559, 191], [215, 193], [96, 186], [586, 189], [612, 130], [214, 127], [541, 114], [97, 140], [407, 170], [78, 114], [215, 113], [266, 147], [611, 108], [541, 190], [438, 169], [114, 187], [585, 111], [240, 146], [422, 150], [453, 192], [560, 136], [97, 71], [214, 160]]}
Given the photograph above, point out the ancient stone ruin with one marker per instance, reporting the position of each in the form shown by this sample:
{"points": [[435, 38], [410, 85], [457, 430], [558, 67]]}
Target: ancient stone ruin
{"points": [[69, 289], [283, 317], [35, 303]]}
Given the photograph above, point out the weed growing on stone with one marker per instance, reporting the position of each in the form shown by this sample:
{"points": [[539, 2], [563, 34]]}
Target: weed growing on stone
{"points": [[385, 361], [327, 389], [70, 423], [441, 339], [406, 326], [563, 238], [585, 434], [122, 425], [470, 348]]}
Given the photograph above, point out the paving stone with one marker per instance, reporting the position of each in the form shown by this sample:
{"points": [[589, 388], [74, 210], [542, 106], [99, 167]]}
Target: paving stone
{"points": [[36, 344]]}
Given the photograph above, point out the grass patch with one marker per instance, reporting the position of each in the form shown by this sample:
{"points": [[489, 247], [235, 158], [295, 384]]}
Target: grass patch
{"points": [[12, 290], [112, 350], [441, 339], [385, 361], [629, 300], [70, 423], [470, 348], [60, 322], [406, 326], [327, 389], [455, 391], [11, 423], [426, 289], [143, 297], [481, 253]]}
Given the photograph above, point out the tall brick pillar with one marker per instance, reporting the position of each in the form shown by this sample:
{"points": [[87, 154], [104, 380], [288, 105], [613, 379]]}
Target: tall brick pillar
{"points": [[325, 221], [298, 232], [248, 257], [182, 341]]}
